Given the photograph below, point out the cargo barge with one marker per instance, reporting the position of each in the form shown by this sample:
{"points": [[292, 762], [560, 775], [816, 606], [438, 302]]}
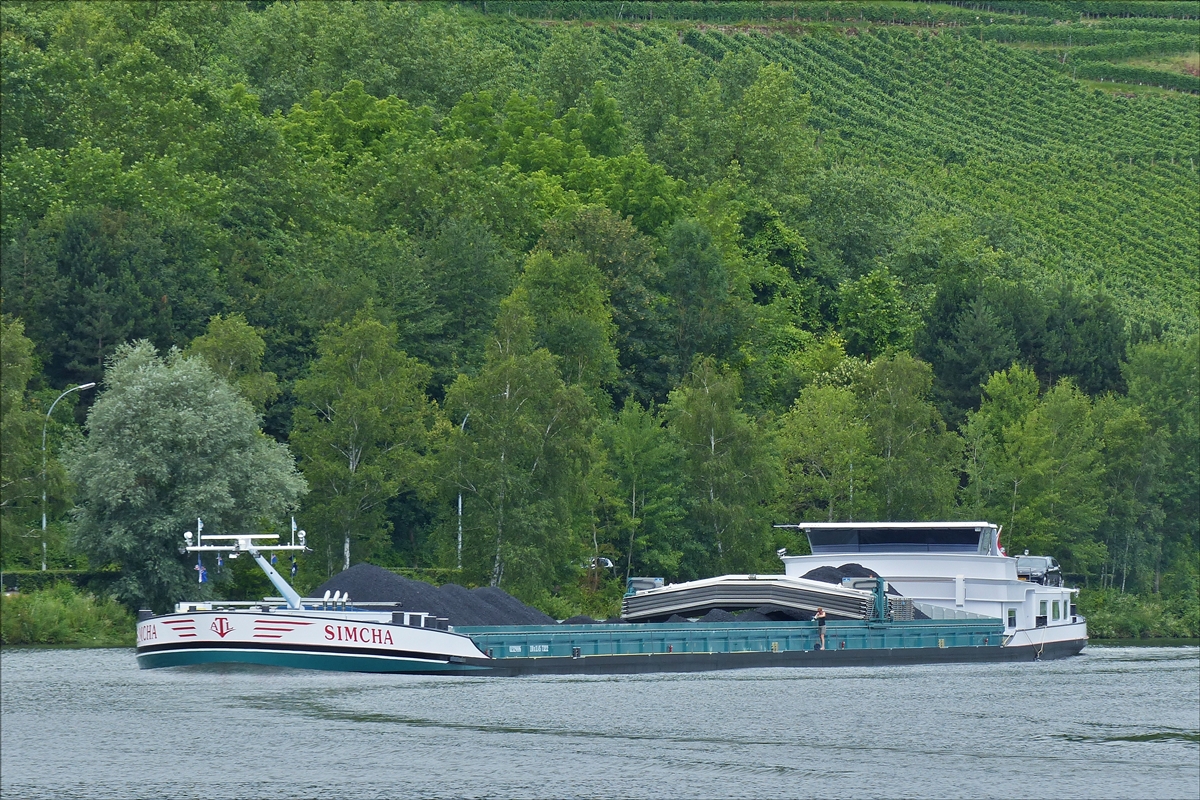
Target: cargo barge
{"points": [[938, 593]]}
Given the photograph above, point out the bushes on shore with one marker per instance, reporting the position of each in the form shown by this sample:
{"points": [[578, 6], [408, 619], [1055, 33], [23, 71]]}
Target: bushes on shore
{"points": [[1116, 615], [62, 614]]}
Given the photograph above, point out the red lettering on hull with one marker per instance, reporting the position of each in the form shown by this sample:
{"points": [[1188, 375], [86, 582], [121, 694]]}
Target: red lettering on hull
{"points": [[349, 633]]}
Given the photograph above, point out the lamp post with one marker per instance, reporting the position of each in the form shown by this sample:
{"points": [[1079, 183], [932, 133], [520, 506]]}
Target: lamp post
{"points": [[44, 424]]}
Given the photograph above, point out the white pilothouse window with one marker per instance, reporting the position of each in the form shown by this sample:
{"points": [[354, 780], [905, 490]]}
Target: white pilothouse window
{"points": [[1012, 618], [1055, 609]]}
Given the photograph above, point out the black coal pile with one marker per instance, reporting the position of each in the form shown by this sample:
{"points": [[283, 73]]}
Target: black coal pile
{"points": [[753, 615], [367, 583], [785, 614], [718, 615], [824, 575], [835, 574]]}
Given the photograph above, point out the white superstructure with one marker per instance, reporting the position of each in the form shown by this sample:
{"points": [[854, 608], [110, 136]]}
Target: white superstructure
{"points": [[949, 569]]}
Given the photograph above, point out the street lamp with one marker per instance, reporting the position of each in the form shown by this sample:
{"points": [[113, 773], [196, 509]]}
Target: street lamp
{"points": [[44, 424]]}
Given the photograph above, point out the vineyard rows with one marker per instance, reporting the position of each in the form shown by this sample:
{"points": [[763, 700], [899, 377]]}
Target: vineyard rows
{"points": [[1038, 13], [1108, 183], [1075, 35], [1180, 9]]}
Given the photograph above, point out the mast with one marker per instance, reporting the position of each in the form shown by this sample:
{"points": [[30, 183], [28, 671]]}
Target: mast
{"points": [[245, 542]]}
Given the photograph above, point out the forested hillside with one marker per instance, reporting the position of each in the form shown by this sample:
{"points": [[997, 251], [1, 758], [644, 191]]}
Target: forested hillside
{"points": [[528, 289]]}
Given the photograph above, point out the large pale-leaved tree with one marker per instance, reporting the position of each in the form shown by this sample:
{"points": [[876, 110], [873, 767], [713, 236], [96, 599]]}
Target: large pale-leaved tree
{"points": [[168, 442]]}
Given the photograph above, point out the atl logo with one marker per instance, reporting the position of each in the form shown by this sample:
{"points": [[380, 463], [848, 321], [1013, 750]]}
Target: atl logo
{"points": [[221, 627]]}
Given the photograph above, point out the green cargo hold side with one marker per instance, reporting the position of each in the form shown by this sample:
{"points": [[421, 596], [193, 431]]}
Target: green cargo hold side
{"points": [[579, 641]]}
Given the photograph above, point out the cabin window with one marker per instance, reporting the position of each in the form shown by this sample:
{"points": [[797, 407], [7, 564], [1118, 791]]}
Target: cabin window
{"points": [[1012, 618], [1055, 609], [1042, 609]]}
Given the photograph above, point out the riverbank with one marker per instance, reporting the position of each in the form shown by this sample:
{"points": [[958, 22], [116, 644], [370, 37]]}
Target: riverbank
{"points": [[1120, 616], [64, 615], [1184, 642]]}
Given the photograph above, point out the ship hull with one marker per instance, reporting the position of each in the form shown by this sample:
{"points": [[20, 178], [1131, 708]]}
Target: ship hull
{"points": [[300, 658], [293, 658], [711, 662], [334, 643]]}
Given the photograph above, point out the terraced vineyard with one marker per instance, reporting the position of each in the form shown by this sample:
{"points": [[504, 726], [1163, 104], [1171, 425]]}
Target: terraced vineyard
{"points": [[1105, 183]]}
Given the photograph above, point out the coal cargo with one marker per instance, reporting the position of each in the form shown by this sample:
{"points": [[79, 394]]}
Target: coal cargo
{"points": [[824, 575], [366, 583]]}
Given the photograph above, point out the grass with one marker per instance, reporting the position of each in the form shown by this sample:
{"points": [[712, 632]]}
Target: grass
{"points": [[1127, 89], [1188, 64], [61, 614]]}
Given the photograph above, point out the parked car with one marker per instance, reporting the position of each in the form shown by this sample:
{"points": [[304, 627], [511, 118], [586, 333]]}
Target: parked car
{"points": [[1039, 569]]}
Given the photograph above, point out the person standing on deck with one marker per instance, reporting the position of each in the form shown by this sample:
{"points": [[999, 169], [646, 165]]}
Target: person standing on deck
{"points": [[820, 618]]}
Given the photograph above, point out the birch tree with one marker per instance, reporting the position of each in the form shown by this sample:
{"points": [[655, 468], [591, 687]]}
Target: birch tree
{"points": [[827, 455], [518, 457], [361, 427], [728, 472], [645, 464]]}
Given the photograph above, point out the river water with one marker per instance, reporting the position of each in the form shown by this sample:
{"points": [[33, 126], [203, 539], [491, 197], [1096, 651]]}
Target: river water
{"points": [[1112, 722]]}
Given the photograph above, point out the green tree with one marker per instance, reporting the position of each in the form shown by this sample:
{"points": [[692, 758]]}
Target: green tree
{"points": [[769, 134], [918, 459], [730, 474], [850, 221], [658, 88], [94, 278], [633, 278], [235, 350], [1009, 396], [705, 313], [20, 479], [1164, 381], [601, 126], [873, 315], [981, 345], [828, 456], [1035, 465], [422, 55], [361, 427], [519, 458], [569, 67], [1057, 476], [1131, 528], [645, 463], [637, 187], [566, 298], [168, 442], [469, 272]]}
